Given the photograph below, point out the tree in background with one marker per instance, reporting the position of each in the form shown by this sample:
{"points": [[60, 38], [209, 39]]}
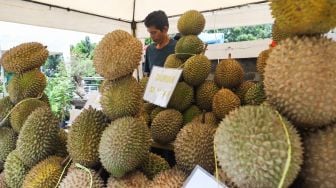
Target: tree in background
{"points": [[82, 59], [60, 87], [245, 33]]}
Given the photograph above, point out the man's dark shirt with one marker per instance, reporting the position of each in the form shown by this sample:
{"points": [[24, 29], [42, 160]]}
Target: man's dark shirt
{"points": [[156, 56]]}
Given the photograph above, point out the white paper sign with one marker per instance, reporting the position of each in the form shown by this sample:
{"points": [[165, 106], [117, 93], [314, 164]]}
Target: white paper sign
{"points": [[161, 85], [200, 178]]}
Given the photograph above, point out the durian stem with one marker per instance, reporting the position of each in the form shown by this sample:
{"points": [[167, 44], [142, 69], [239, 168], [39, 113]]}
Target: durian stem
{"points": [[87, 170], [205, 48], [289, 153], [181, 66], [138, 74], [64, 169], [3, 121]]}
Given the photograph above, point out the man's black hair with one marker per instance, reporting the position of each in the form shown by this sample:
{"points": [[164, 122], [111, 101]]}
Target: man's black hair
{"points": [[157, 19]]}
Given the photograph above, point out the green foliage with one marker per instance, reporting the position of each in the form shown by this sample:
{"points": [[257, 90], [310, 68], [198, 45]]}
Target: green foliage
{"points": [[50, 67], [82, 59], [84, 49], [148, 41], [60, 91], [245, 33]]}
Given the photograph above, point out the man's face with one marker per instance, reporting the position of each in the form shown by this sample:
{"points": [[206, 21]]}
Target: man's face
{"points": [[157, 35]]}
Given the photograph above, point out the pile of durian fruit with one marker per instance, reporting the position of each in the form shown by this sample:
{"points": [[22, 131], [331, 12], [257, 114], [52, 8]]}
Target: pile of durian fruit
{"points": [[278, 132]]}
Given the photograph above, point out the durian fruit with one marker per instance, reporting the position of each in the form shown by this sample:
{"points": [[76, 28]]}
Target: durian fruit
{"points": [[194, 146], [28, 84], [256, 147], [2, 180], [300, 80], [242, 89], [154, 165], [24, 57], [15, 170], [190, 113], [5, 106], [277, 34], [188, 46], [304, 17], [319, 164], [37, 136], [45, 98], [255, 95], [61, 142], [205, 93], [172, 178], [196, 69], [45, 174], [229, 73], [209, 118], [172, 61], [224, 101], [261, 62], [191, 22], [182, 97], [155, 112], [223, 177], [124, 145], [22, 111], [77, 178], [144, 116], [135, 179], [166, 125], [84, 137], [7, 143], [117, 55], [121, 98]]}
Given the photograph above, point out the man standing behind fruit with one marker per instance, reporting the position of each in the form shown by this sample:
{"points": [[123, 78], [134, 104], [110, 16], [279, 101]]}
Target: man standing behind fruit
{"points": [[157, 52]]}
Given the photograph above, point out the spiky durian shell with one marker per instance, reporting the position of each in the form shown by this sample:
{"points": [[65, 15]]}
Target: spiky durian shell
{"points": [[45, 174], [196, 69], [22, 111], [172, 178], [84, 137], [37, 136], [191, 22], [121, 98], [5, 106], [224, 101], [124, 145], [8, 139], [188, 46], [256, 147], [205, 93], [194, 146], [77, 178], [242, 89], [182, 97], [172, 61], [24, 57], [304, 17], [319, 164], [28, 84], [300, 80], [229, 73], [15, 170], [135, 179], [166, 125], [154, 165], [117, 54]]}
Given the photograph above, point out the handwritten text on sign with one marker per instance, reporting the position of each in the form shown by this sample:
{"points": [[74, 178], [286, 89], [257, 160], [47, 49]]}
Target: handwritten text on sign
{"points": [[161, 85]]}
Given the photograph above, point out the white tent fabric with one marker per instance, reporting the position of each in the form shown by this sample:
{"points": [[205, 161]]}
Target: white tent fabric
{"points": [[122, 13]]}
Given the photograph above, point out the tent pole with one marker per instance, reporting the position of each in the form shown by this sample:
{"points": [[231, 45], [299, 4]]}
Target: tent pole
{"points": [[133, 23]]}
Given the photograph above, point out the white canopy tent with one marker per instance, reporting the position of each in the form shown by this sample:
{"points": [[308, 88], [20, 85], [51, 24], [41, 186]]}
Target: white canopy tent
{"points": [[103, 16]]}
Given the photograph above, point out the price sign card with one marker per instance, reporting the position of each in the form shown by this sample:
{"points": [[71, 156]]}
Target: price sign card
{"points": [[200, 178], [161, 85]]}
